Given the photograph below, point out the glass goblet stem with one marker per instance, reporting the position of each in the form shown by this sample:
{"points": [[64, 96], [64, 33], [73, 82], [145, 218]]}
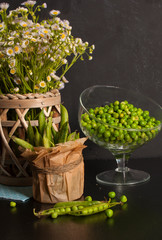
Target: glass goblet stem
{"points": [[122, 162]]}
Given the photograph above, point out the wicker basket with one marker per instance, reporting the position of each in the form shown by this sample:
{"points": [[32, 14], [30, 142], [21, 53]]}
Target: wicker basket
{"points": [[13, 169]]}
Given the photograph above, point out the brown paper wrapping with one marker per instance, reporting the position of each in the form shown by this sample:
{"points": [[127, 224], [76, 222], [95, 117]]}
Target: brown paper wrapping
{"points": [[58, 172]]}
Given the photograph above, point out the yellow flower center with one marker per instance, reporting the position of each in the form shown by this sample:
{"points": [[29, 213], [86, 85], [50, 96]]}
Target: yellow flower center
{"points": [[12, 71], [16, 48], [10, 51]]}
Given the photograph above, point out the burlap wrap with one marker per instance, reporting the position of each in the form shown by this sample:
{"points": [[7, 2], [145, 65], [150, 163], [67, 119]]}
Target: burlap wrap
{"points": [[58, 173]]}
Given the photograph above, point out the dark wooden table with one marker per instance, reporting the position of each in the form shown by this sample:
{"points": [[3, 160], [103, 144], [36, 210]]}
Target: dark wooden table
{"points": [[141, 219]]}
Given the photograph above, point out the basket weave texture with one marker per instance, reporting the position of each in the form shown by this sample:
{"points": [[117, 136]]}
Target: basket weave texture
{"points": [[13, 169]]}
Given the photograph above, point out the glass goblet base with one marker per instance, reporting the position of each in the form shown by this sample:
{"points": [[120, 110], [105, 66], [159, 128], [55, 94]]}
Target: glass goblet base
{"points": [[129, 177]]}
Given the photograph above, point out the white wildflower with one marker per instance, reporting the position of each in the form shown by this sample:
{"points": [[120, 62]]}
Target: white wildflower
{"points": [[64, 79], [90, 57], [2, 25], [63, 37], [11, 43], [16, 89], [54, 12], [25, 43], [12, 71], [17, 49], [12, 63], [10, 52], [42, 84], [61, 85], [64, 61], [48, 78], [29, 3], [23, 24], [44, 5], [4, 6], [36, 87], [17, 81]]}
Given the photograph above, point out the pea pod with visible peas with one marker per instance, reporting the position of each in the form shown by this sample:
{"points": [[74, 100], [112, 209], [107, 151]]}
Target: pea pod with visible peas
{"points": [[58, 207]]}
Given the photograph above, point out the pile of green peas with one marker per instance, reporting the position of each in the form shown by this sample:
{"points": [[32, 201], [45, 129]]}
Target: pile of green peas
{"points": [[83, 208], [120, 122]]}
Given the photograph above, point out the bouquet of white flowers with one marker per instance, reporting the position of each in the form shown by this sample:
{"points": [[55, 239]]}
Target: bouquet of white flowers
{"points": [[35, 56]]}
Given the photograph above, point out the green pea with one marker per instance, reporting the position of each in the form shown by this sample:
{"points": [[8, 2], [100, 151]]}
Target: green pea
{"points": [[112, 194], [90, 210], [101, 129], [88, 198], [12, 204], [109, 213], [123, 199], [54, 215], [74, 208], [95, 209], [84, 211], [67, 210], [80, 207], [62, 210]]}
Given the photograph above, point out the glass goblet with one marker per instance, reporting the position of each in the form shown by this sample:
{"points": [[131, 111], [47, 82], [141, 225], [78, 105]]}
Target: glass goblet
{"points": [[122, 140]]}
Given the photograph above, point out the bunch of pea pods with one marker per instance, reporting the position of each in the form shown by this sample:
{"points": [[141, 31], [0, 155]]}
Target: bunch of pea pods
{"points": [[83, 208]]}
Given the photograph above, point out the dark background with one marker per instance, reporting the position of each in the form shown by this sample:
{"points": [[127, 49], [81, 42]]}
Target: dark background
{"points": [[128, 39]]}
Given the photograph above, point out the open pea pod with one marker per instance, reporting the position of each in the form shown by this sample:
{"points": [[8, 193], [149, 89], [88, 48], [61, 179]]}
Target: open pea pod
{"points": [[63, 208], [93, 209]]}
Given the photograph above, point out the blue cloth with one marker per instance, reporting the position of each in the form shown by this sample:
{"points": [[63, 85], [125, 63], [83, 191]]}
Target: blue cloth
{"points": [[15, 193]]}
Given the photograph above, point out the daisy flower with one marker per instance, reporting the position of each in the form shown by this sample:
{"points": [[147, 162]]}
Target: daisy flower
{"points": [[2, 25], [17, 49], [54, 12], [12, 63], [64, 61], [29, 3], [61, 85], [11, 43], [55, 77], [23, 24], [63, 36], [25, 43], [17, 81], [12, 71], [42, 84], [36, 87], [10, 52], [49, 78], [4, 6]]}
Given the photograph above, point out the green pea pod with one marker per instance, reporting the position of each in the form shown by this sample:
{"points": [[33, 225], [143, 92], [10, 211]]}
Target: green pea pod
{"points": [[64, 115], [46, 141], [22, 143], [55, 135], [90, 209], [41, 122], [63, 133], [38, 138], [71, 136], [58, 207], [30, 133], [49, 130]]}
